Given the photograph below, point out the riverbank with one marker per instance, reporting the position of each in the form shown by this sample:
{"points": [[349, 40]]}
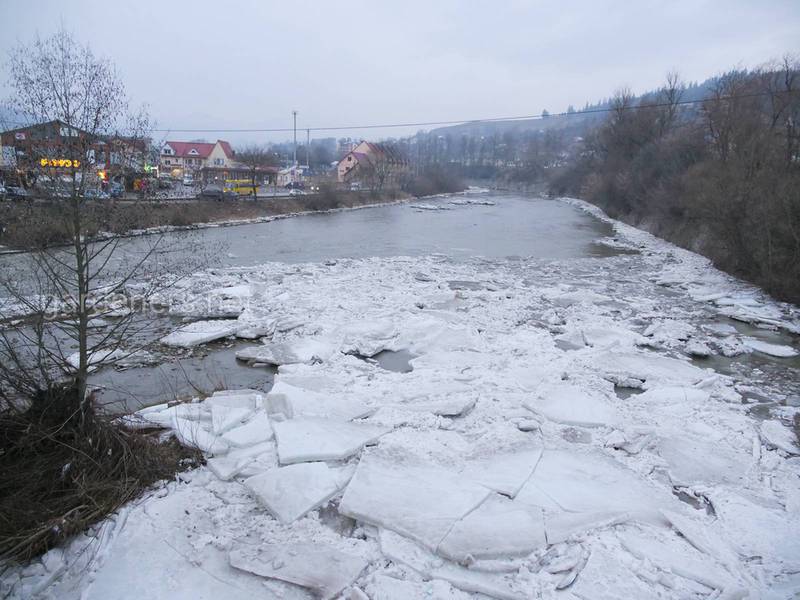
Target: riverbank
{"points": [[558, 434], [24, 226]]}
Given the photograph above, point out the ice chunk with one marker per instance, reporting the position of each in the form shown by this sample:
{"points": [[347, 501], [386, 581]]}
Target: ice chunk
{"points": [[289, 493], [601, 337], [571, 405], [591, 482], [777, 350], [304, 350], [698, 349], [678, 559], [672, 395], [778, 436], [504, 473], [420, 501], [404, 551], [201, 332], [251, 399], [230, 465], [453, 407], [321, 568], [301, 402], [367, 337], [224, 417], [624, 367], [498, 527], [310, 439], [695, 461], [194, 435], [579, 297], [560, 526], [255, 431]]}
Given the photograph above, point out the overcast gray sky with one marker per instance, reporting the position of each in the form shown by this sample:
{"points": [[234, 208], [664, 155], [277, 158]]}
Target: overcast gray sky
{"points": [[247, 64]]}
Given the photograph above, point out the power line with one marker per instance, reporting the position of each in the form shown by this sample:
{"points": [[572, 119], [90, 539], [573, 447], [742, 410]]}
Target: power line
{"points": [[538, 116]]}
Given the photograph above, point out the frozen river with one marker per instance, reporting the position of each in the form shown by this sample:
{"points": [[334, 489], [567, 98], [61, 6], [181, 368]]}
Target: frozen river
{"points": [[523, 399], [514, 227]]}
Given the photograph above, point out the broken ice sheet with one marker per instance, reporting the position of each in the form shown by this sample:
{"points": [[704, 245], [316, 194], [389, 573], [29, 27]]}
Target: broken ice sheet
{"points": [[606, 577], [497, 528], [503, 473], [301, 402], [695, 461], [195, 435], [776, 350], [571, 405], [402, 550], [256, 430], [321, 568], [776, 435], [624, 368], [228, 466], [367, 337], [201, 332], [304, 350], [312, 439], [225, 417], [420, 501], [590, 482], [289, 493]]}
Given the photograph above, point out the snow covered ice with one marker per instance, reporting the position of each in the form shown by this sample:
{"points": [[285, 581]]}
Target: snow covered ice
{"points": [[507, 464]]}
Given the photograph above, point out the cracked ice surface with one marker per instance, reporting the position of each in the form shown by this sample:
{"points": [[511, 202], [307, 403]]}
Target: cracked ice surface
{"points": [[508, 465]]}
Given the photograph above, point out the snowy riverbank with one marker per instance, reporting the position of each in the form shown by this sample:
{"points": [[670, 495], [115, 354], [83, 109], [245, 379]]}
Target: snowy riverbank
{"points": [[553, 439]]}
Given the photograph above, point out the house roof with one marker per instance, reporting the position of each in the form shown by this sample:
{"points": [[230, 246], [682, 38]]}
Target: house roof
{"points": [[201, 149]]}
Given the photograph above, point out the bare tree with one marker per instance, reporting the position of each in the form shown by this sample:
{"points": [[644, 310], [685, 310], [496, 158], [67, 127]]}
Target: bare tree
{"points": [[255, 158], [80, 130]]}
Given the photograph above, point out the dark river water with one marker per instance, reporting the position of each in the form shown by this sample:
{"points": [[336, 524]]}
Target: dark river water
{"points": [[515, 226]]}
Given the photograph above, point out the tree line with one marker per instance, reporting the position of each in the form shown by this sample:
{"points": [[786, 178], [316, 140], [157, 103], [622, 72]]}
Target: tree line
{"points": [[721, 177]]}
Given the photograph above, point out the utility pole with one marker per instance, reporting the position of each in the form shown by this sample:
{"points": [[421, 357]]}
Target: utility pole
{"points": [[308, 146], [294, 153]]}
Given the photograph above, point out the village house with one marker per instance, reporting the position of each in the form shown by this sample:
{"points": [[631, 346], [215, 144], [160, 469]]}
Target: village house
{"points": [[61, 149], [181, 158], [375, 164], [291, 175]]}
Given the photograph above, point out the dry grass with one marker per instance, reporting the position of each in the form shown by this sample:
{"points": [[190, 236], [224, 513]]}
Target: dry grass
{"points": [[65, 468]]}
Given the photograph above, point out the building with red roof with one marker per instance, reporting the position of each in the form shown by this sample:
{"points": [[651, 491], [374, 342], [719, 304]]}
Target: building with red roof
{"points": [[179, 158]]}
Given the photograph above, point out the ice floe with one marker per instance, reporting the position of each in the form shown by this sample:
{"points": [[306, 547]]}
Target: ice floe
{"points": [[324, 570], [201, 332], [305, 439], [291, 492]]}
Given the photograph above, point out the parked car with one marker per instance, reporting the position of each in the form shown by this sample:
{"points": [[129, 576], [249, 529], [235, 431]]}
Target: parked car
{"points": [[96, 194], [355, 186], [2, 192], [296, 192], [295, 185], [216, 192], [188, 180], [17, 193], [116, 190]]}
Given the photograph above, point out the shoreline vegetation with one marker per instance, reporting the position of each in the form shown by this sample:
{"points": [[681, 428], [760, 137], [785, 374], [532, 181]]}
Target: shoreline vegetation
{"points": [[27, 226]]}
